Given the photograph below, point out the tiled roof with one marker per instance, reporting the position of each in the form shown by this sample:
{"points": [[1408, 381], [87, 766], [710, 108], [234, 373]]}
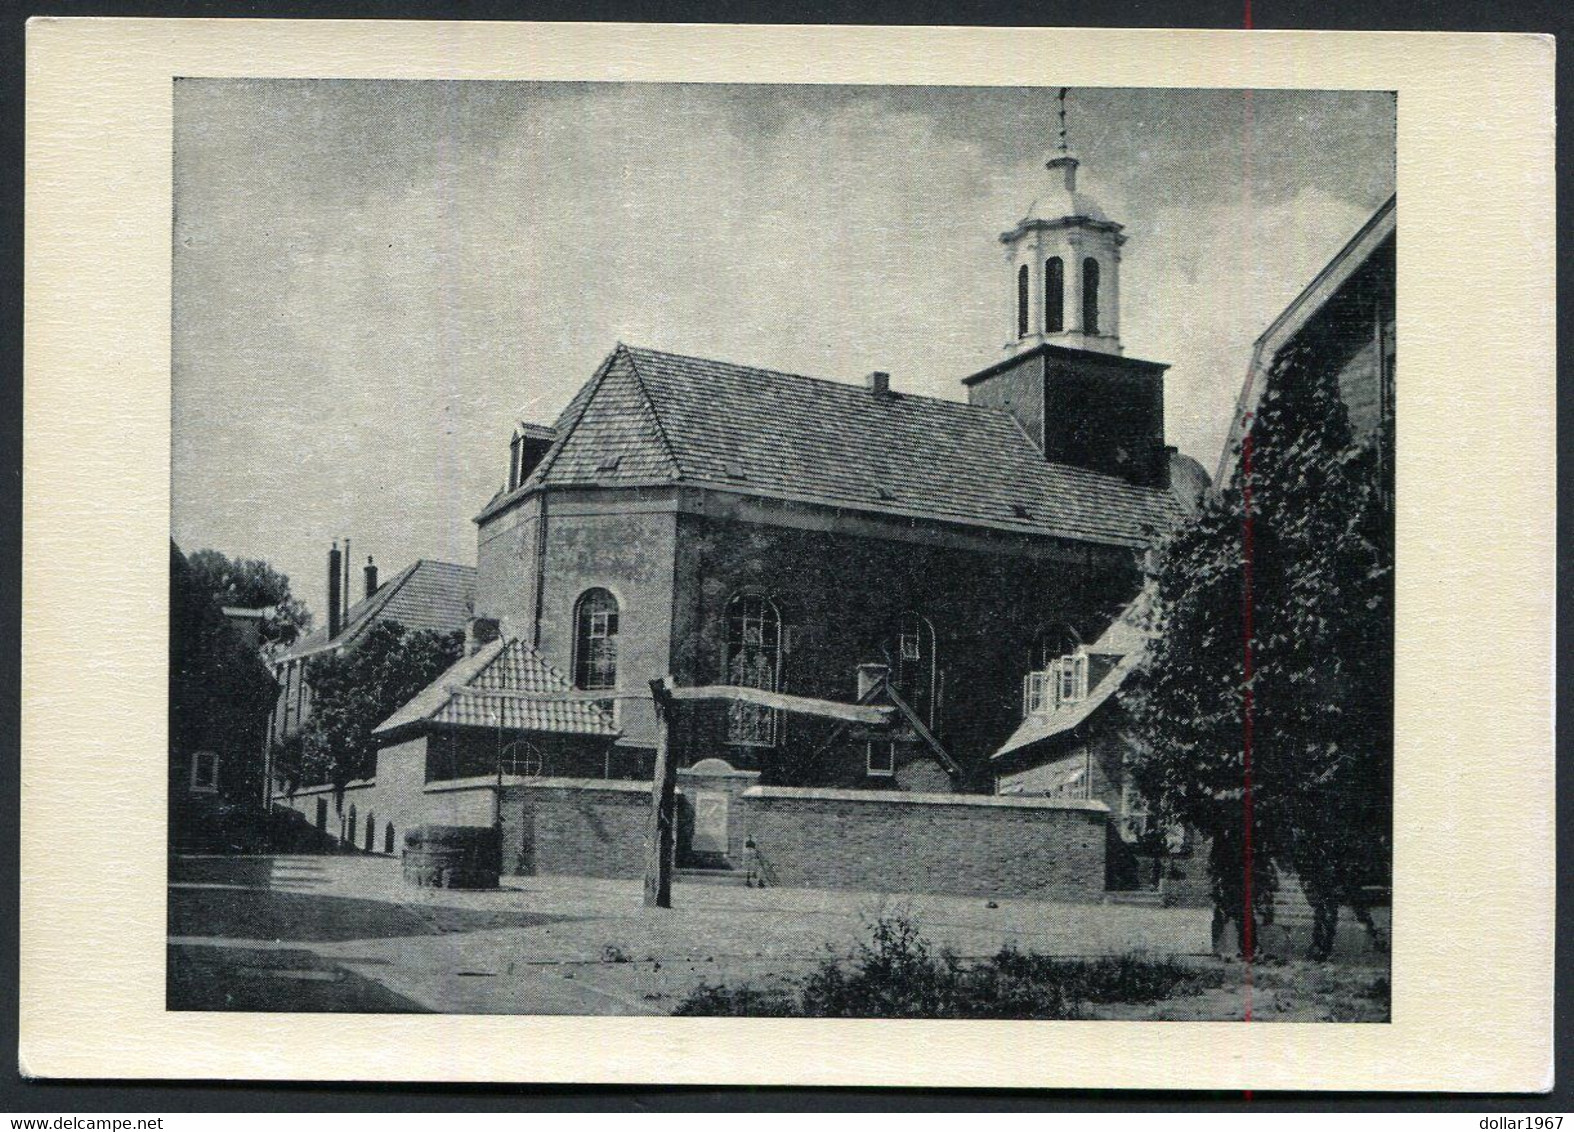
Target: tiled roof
{"points": [[474, 692], [649, 417], [424, 595], [1127, 638]]}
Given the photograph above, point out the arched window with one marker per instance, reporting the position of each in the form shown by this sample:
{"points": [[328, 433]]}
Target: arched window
{"points": [[349, 837], [596, 640], [1054, 295], [371, 831], [1090, 296], [1022, 301], [754, 648], [916, 668]]}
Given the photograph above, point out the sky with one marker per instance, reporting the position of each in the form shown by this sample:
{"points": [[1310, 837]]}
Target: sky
{"points": [[375, 280]]}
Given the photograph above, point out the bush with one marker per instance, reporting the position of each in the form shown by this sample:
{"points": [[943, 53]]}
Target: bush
{"points": [[897, 975]]}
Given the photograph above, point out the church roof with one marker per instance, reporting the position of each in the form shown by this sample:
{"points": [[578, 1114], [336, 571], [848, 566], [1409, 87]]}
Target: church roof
{"points": [[504, 684], [648, 418], [424, 595]]}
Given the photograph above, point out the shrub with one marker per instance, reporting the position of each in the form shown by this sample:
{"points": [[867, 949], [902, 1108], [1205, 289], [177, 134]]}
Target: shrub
{"points": [[897, 975]]}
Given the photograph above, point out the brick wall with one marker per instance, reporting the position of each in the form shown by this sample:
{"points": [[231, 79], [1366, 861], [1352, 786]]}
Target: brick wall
{"points": [[576, 827], [887, 841]]}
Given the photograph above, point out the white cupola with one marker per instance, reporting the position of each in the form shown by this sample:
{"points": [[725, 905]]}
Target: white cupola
{"points": [[1064, 258]]}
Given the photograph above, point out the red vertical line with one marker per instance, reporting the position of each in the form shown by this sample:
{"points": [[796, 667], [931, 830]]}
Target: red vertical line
{"points": [[1248, 24], [1248, 917], [1248, 920]]}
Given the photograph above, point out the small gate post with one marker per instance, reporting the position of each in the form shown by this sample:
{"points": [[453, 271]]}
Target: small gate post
{"points": [[662, 842]]}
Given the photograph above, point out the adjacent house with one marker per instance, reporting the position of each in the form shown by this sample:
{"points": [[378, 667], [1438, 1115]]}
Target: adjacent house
{"points": [[1345, 315], [424, 595], [219, 698]]}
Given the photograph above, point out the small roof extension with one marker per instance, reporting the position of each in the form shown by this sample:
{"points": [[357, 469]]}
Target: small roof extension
{"points": [[505, 684]]}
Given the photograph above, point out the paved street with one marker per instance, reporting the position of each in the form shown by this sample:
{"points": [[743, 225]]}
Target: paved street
{"points": [[314, 933]]}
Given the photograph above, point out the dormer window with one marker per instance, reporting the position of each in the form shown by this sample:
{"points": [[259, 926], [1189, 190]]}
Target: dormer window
{"points": [[1038, 695], [1064, 682], [1071, 679]]}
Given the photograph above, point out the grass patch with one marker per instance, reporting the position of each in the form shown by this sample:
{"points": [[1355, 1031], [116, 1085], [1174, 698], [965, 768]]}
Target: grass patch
{"points": [[896, 974]]}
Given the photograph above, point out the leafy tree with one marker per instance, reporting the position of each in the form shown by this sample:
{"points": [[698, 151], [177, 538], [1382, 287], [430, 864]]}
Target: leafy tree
{"points": [[1272, 665], [354, 691], [253, 584]]}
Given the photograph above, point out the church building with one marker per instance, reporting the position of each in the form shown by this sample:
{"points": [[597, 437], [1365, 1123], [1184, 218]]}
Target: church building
{"points": [[728, 524]]}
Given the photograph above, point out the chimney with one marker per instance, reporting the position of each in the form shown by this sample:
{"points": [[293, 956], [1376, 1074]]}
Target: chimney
{"points": [[370, 571], [344, 590], [333, 591], [869, 675], [879, 383], [480, 631]]}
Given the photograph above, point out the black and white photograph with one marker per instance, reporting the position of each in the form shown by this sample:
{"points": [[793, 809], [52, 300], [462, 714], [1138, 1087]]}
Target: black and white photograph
{"points": [[647, 548]]}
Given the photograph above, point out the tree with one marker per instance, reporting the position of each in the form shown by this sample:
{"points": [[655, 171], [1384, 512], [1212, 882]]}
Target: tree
{"points": [[1262, 715], [354, 691], [253, 584]]}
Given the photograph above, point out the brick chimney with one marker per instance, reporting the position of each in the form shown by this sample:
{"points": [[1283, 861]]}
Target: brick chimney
{"points": [[370, 570], [479, 632], [879, 383], [334, 604]]}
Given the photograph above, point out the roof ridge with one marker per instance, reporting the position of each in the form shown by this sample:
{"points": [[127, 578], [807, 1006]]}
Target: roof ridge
{"points": [[655, 414], [441, 562], [377, 602], [541, 471], [831, 381]]}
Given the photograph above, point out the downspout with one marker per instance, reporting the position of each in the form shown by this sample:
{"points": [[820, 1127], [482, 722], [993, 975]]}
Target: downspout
{"points": [[540, 579]]}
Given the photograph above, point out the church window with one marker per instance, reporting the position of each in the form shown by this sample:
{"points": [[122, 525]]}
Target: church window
{"points": [[754, 641], [1054, 295], [1090, 296], [1022, 301], [596, 640]]}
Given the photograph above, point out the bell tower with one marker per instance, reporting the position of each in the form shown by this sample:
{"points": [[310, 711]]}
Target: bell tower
{"points": [[1064, 259], [1064, 377]]}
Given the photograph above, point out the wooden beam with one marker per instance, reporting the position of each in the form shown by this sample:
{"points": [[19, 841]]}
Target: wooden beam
{"points": [[874, 715], [662, 841]]}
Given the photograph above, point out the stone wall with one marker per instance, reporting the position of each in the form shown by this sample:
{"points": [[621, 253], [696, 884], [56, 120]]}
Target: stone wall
{"points": [[887, 841]]}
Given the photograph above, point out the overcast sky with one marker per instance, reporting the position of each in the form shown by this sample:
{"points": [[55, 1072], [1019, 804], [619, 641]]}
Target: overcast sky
{"points": [[375, 280]]}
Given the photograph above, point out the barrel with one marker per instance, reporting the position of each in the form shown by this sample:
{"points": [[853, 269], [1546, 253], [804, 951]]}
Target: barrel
{"points": [[453, 856]]}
